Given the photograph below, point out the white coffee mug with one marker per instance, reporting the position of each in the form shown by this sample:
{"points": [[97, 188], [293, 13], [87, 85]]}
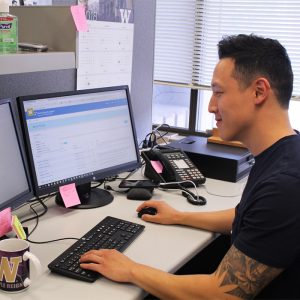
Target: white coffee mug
{"points": [[14, 265]]}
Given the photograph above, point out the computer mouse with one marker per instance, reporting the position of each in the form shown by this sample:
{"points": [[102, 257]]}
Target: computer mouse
{"points": [[147, 210]]}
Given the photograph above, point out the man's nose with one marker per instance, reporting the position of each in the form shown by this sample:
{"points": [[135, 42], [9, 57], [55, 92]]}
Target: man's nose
{"points": [[212, 107]]}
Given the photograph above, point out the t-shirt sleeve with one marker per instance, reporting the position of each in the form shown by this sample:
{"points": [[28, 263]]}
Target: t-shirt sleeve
{"points": [[270, 226]]}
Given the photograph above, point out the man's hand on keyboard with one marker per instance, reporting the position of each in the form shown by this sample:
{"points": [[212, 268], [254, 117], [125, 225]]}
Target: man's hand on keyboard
{"points": [[110, 263]]}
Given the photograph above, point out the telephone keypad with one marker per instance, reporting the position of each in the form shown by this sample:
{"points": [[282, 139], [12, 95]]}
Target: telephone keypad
{"points": [[190, 173]]}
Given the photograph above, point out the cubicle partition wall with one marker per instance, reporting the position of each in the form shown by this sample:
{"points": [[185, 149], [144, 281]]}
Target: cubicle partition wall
{"points": [[55, 71], [28, 74]]}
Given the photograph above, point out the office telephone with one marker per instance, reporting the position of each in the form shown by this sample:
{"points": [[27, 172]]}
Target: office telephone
{"points": [[171, 165]]}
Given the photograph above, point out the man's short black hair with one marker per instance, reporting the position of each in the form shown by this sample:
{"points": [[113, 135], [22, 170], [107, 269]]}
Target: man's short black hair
{"points": [[257, 56]]}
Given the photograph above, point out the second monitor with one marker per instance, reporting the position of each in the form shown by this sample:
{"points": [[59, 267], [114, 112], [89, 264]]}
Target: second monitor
{"points": [[15, 184], [79, 137]]}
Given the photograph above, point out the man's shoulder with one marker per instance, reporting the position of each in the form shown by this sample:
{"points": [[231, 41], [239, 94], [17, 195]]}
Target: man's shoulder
{"points": [[283, 159]]}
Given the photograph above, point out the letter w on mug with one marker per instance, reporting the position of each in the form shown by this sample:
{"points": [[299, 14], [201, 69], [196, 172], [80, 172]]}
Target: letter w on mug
{"points": [[14, 265]]}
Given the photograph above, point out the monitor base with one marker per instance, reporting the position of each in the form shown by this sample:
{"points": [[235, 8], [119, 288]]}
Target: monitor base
{"points": [[89, 197]]}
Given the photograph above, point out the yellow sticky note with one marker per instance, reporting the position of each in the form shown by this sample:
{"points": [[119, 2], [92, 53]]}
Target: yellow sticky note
{"points": [[18, 228]]}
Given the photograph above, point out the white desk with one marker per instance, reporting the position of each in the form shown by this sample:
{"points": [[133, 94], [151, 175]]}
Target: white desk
{"points": [[166, 247]]}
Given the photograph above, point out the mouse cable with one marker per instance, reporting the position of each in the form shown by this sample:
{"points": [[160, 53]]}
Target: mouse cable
{"points": [[204, 186], [226, 196], [220, 195]]}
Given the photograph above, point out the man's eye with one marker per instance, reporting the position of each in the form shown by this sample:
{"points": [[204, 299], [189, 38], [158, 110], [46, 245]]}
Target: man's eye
{"points": [[218, 93]]}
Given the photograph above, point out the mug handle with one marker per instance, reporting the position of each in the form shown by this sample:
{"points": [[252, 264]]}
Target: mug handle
{"points": [[36, 263]]}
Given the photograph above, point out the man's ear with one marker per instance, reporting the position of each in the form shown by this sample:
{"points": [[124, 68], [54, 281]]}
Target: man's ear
{"points": [[262, 89]]}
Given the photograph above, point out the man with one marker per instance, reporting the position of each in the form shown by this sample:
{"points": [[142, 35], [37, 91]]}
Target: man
{"points": [[252, 85]]}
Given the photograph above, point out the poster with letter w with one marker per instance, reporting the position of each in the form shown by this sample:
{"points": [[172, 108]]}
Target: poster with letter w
{"points": [[104, 52]]}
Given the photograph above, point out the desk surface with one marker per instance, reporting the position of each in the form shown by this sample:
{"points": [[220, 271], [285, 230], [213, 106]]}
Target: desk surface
{"points": [[166, 247]]}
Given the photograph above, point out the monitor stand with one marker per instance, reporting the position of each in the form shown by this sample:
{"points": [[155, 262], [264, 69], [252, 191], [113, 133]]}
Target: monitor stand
{"points": [[89, 197]]}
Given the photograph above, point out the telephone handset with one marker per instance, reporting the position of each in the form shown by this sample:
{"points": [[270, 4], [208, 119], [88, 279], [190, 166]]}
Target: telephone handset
{"points": [[176, 166]]}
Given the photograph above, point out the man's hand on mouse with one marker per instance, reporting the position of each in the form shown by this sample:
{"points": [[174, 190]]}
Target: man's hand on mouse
{"points": [[165, 213]]}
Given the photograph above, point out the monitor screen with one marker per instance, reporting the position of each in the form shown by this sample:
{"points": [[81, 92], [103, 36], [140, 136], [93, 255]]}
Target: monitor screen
{"points": [[15, 184], [79, 137]]}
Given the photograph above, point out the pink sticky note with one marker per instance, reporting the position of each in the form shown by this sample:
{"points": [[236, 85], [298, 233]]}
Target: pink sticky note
{"points": [[79, 17], [158, 167], [5, 221], [69, 195]]}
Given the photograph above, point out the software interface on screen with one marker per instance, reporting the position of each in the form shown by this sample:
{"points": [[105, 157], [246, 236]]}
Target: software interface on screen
{"points": [[14, 185], [80, 136]]}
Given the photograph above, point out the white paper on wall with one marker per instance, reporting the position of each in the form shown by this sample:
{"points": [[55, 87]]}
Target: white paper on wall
{"points": [[104, 53]]}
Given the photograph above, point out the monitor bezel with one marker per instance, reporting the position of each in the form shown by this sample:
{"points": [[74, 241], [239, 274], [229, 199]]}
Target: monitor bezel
{"points": [[103, 174], [27, 195]]}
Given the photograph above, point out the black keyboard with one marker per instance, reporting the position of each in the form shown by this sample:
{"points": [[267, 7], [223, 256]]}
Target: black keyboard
{"points": [[110, 233]]}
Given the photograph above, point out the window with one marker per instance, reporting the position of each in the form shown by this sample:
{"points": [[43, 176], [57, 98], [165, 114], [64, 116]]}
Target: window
{"points": [[187, 33], [179, 98]]}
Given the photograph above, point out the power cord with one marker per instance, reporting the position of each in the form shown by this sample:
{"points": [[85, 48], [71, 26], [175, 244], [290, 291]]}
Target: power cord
{"points": [[37, 216], [34, 202], [110, 188], [37, 222], [150, 140], [155, 130], [51, 241]]}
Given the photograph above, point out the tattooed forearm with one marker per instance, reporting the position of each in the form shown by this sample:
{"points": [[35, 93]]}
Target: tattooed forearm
{"points": [[246, 276]]}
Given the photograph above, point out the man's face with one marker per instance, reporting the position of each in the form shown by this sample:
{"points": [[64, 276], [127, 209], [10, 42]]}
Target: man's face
{"points": [[230, 103]]}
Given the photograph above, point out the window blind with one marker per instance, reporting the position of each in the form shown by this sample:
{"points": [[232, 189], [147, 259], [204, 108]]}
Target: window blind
{"points": [[187, 33], [174, 40]]}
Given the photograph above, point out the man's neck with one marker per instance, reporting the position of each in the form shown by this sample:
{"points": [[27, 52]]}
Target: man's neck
{"points": [[266, 137]]}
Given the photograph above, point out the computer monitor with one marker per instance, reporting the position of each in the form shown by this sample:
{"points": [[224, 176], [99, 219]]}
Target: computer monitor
{"points": [[15, 183], [79, 137]]}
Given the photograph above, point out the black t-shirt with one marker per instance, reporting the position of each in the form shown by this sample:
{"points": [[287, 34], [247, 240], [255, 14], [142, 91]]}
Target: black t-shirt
{"points": [[267, 221]]}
